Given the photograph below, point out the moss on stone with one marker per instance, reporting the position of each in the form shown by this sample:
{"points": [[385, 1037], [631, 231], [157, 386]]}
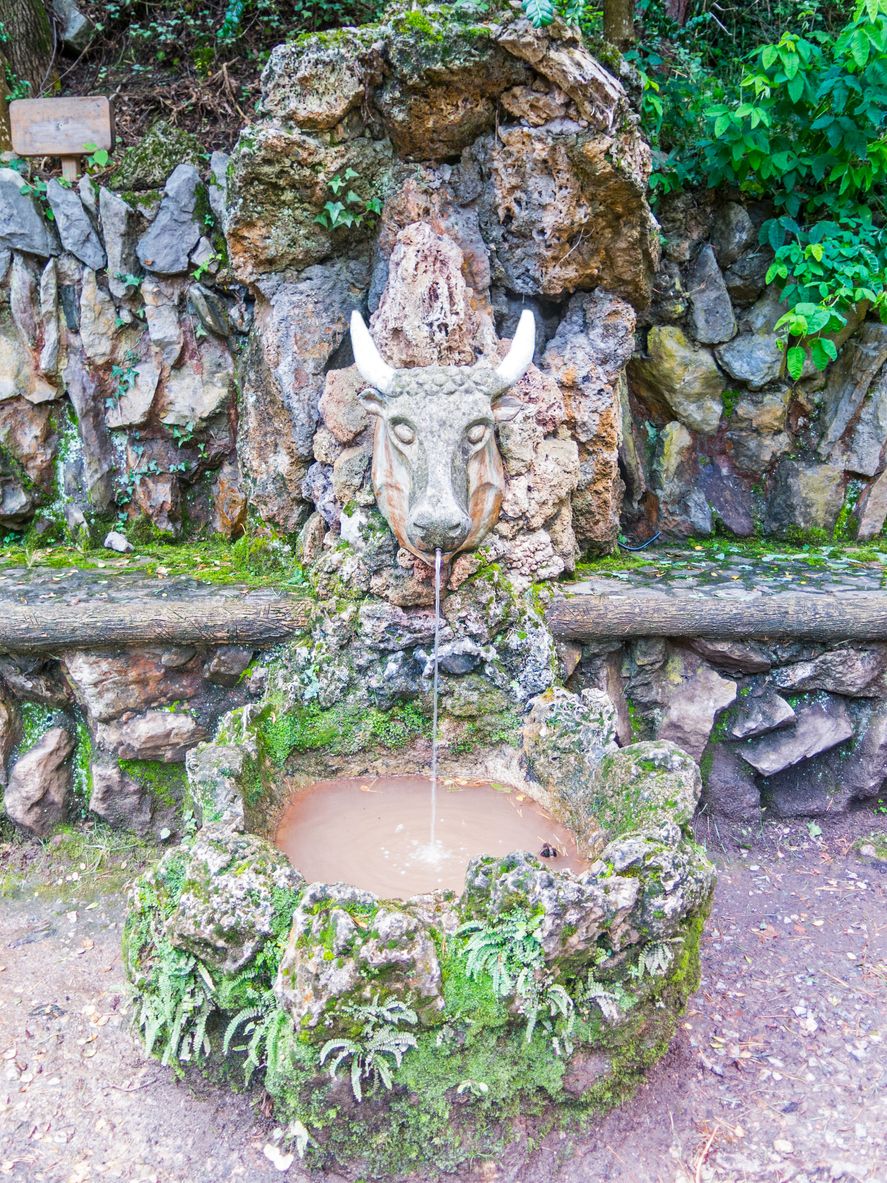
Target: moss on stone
{"points": [[148, 163], [342, 729], [36, 720], [82, 763], [165, 782]]}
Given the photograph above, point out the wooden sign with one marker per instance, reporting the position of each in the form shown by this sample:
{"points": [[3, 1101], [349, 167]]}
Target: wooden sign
{"points": [[61, 127]]}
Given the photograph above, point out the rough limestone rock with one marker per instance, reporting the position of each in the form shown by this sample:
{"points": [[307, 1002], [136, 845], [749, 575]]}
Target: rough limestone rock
{"points": [[695, 696], [98, 320], [19, 376], [732, 232], [752, 358], [745, 279], [375, 949], [805, 496], [75, 229], [162, 298], [76, 29], [22, 225], [428, 315], [711, 317], [747, 657], [565, 737], [867, 444], [587, 358], [128, 802], [849, 380], [108, 684], [640, 787], [760, 713], [817, 728], [120, 227], [851, 671], [682, 376], [559, 190], [35, 796], [871, 509], [28, 437], [315, 85], [541, 193], [216, 780], [575, 910], [194, 392], [165, 246], [441, 98], [152, 735], [730, 789], [683, 508], [134, 405], [298, 327], [226, 910], [676, 881]]}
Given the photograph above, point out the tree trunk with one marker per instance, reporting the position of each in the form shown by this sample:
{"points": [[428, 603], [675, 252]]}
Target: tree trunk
{"points": [[28, 47], [677, 10], [26, 53], [618, 22]]}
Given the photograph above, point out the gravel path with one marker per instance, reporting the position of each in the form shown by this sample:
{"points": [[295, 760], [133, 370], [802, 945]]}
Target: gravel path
{"points": [[778, 1072]]}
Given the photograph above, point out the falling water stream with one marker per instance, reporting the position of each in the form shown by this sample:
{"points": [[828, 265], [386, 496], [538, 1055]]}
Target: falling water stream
{"points": [[434, 691], [371, 831]]}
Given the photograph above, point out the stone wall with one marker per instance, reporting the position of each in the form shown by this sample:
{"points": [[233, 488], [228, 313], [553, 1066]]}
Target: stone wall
{"points": [[796, 728], [118, 328], [106, 731], [717, 436], [171, 351]]}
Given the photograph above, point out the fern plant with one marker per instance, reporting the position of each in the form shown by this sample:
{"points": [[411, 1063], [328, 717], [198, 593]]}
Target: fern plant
{"points": [[656, 959], [548, 1005], [378, 1043], [610, 1001], [504, 949], [267, 1035], [174, 1018]]}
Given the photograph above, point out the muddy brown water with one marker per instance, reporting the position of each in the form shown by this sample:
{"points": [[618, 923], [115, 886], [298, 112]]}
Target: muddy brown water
{"points": [[373, 832]]}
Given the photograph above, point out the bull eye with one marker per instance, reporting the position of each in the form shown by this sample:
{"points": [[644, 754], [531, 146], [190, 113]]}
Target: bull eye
{"points": [[476, 433], [403, 433]]}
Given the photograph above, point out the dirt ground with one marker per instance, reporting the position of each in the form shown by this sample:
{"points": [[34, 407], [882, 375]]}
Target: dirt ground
{"points": [[778, 1072]]}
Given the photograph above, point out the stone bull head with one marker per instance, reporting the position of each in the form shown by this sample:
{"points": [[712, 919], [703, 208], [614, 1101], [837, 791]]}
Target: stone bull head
{"points": [[437, 471]]}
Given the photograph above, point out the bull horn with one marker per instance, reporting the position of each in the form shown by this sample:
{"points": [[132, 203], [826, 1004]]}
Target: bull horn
{"points": [[515, 363], [367, 358]]}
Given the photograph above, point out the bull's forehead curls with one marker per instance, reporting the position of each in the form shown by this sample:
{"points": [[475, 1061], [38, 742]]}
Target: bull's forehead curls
{"points": [[444, 379], [431, 383]]}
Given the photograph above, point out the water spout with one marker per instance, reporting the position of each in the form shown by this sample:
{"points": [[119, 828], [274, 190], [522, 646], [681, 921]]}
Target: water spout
{"points": [[434, 693]]}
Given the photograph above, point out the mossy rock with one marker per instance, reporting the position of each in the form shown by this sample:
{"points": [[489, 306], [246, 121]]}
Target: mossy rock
{"points": [[640, 787], [148, 164]]}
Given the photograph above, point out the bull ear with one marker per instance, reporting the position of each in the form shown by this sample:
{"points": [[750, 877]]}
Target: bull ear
{"points": [[367, 358], [372, 402], [505, 409], [516, 362]]}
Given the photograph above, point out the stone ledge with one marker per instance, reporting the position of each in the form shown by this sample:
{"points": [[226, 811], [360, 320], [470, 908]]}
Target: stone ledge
{"points": [[47, 611], [736, 600]]}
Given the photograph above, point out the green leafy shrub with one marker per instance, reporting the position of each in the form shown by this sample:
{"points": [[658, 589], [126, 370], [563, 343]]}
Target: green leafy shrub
{"points": [[807, 131], [799, 122]]}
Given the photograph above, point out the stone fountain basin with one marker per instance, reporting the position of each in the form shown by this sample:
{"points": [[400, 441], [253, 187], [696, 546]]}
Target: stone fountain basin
{"points": [[621, 939]]}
